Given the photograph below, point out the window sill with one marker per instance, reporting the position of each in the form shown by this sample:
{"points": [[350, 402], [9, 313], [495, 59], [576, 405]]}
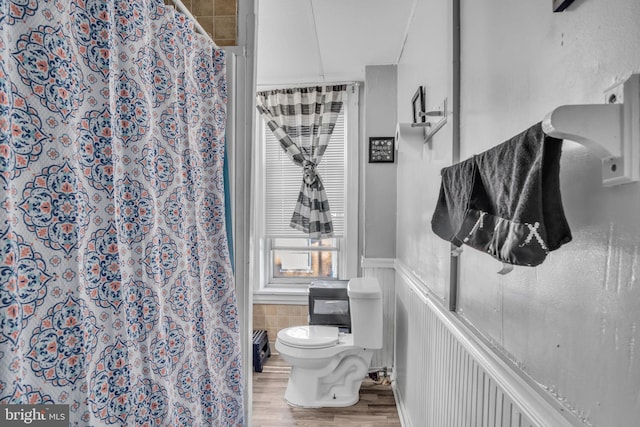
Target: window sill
{"points": [[281, 296]]}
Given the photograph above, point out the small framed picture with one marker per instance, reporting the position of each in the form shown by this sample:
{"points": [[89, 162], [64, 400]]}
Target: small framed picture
{"points": [[418, 105], [381, 149]]}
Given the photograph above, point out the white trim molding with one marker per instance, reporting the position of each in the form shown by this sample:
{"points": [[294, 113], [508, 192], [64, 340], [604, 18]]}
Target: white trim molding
{"points": [[281, 296], [378, 262], [400, 403]]}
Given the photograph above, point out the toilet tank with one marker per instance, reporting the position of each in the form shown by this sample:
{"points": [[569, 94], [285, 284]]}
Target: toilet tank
{"points": [[329, 304], [365, 300]]}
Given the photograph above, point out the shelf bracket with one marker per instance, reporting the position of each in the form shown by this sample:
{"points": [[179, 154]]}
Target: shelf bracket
{"points": [[431, 128], [609, 131]]}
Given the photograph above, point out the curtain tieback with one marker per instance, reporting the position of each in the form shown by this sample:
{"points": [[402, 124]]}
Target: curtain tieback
{"points": [[309, 174]]}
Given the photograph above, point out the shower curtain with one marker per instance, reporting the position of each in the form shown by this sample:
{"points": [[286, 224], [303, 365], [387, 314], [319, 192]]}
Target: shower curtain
{"points": [[116, 288]]}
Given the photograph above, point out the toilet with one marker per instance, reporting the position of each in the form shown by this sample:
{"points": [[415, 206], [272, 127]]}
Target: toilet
{"points": [[328, 366]]}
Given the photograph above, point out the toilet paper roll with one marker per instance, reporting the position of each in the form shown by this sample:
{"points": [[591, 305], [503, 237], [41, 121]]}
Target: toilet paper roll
{"points": [[407, 133]]}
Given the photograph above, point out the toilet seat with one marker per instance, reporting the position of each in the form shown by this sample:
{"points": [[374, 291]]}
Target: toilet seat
{"points": [[312, 336]]}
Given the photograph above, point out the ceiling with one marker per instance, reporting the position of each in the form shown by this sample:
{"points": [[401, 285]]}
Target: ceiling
{"points": [[317, 41]]}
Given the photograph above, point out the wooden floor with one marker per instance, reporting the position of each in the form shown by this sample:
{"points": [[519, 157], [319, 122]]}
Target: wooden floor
{"points": [[376, 408]]}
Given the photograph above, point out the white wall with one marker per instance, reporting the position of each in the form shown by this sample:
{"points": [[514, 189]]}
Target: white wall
{"points": [[426, 61], [572, 323]]}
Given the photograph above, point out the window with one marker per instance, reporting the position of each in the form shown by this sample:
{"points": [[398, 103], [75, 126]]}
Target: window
{"points": [[301, 258], [286, 259]]}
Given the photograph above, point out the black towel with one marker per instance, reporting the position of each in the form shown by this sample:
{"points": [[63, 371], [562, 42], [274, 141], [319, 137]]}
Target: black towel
{"points": [[506, 201]]}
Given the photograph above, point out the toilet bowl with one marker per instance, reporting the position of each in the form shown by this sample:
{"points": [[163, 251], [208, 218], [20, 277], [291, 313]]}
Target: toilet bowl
{"points": [[328, 366]]}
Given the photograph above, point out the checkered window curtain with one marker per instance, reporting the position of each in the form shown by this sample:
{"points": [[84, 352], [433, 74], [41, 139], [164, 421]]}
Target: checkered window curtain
{"points": [[303, 119]]}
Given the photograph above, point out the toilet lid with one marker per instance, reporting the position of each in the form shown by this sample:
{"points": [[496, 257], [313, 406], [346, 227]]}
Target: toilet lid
{"points": [[312, 336]]}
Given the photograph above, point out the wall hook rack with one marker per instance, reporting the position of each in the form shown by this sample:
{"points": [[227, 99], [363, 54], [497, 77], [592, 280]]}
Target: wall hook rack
{"points": [[610, 131]]}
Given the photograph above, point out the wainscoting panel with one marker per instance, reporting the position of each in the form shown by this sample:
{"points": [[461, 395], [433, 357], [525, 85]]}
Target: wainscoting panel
{"points": [[383, 269], [444, 376]]}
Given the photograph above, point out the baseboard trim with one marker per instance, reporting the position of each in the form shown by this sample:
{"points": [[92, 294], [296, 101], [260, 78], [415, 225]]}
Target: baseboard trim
{"points": [[402, 413]]}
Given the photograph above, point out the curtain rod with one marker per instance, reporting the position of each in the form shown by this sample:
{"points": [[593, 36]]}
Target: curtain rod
{"points": [[298, 85], [183, 9]]}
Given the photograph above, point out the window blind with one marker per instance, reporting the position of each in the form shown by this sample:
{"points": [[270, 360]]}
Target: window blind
{"points": [[283, 180]]}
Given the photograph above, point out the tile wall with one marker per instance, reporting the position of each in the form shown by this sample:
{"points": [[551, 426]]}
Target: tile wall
{"points": [[217, 17], [273, 317]]}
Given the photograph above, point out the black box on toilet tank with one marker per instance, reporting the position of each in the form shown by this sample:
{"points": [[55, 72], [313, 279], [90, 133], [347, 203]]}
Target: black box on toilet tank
{"points": [[329, 304]]}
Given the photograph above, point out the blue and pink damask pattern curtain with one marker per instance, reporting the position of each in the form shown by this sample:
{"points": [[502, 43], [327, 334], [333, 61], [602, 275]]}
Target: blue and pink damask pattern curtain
{"points": [[116, 288]]}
